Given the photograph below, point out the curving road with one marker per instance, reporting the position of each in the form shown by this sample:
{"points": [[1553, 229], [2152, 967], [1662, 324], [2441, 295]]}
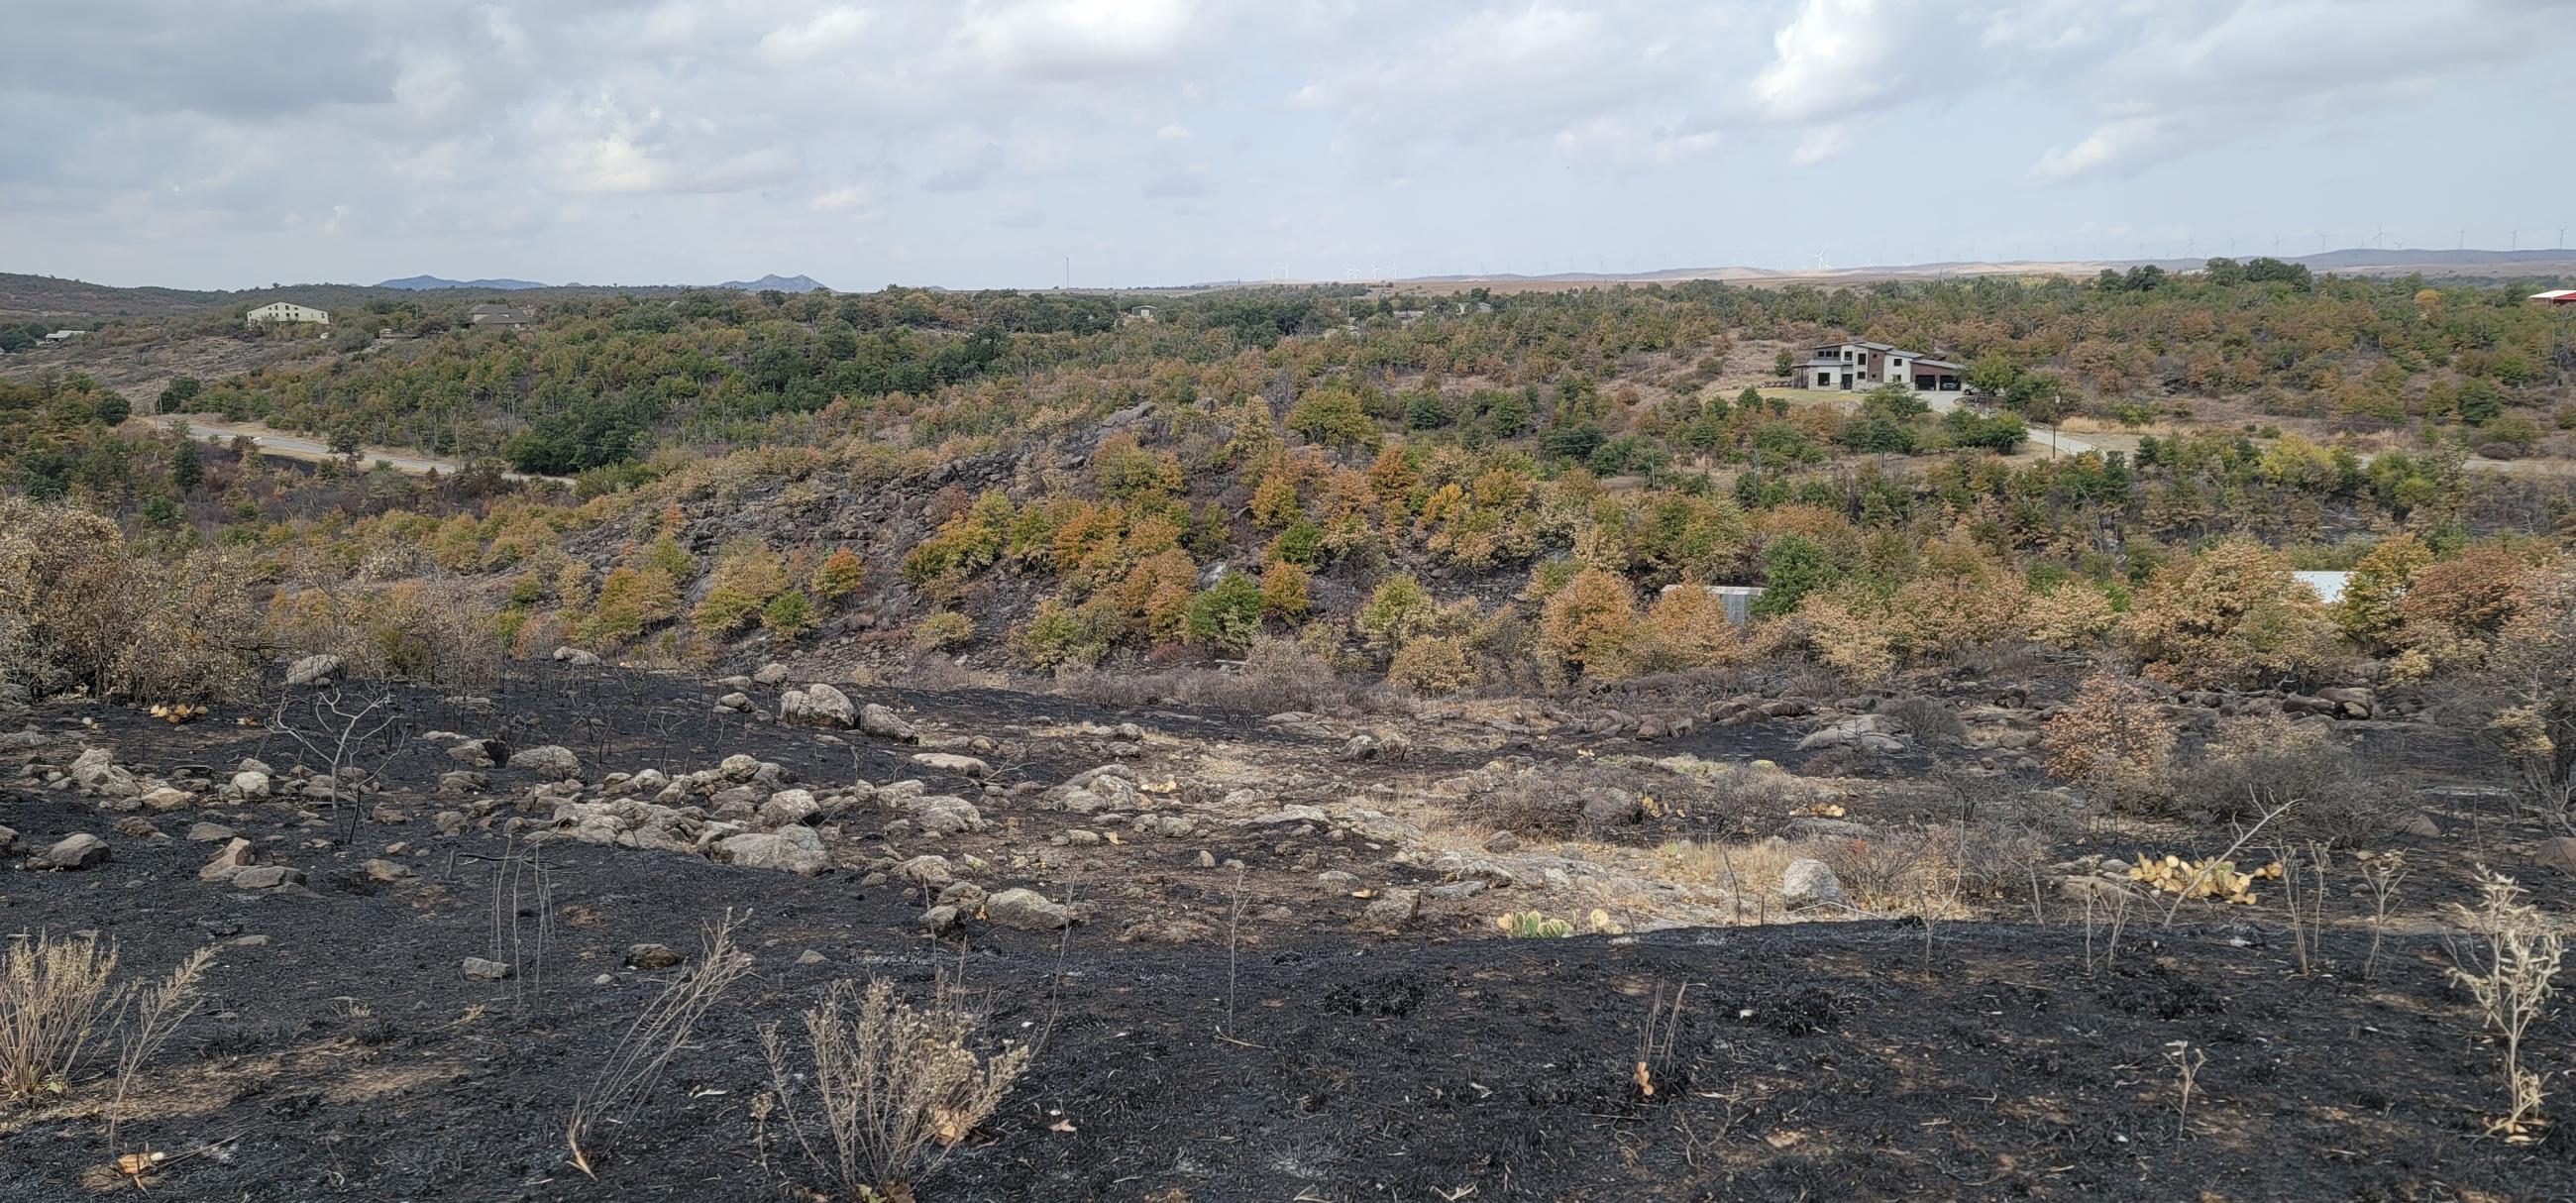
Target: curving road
{"points": [[212, 428]]}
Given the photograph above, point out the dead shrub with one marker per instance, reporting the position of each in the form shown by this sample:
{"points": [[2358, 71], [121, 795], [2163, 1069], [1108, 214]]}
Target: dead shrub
{"points": [[1925, 719], [2509, 965], [636, 1062], [894, 1087], [2256, 763], [79, 609], [434, 633], [1432, 664]]}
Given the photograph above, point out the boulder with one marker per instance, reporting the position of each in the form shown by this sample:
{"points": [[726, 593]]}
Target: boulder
{"points": [[941, 920], [772, 673], [576, 656], [951, 762], [797, 850], [266, 877], [462, 781], [314, 669], [80, 850], [789, 806], [734, 703], [1294, 812], [928, 872], [167, 798], [1392, 910], [553, 762], [1604, 806], [817, 706], [878, 721], [1811, 883], [945, 814], [1026, 910], [232, 858], [96, 770], [250, 785], [739, 767]]}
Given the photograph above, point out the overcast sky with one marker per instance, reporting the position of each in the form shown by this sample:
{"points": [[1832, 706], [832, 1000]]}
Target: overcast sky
{"points": [[222, 143]]}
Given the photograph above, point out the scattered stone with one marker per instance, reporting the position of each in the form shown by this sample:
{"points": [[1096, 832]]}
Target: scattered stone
{"points": [[1811, 883], [878, 721], [650, 956], [577, 657], [941, 920], [551, 761], [2420, 825], [210, 833], [1294, 812], [1605, 806], [1335, 879], [381, 870], [168, 798], [771, 673], [8, 838], [1392, 910], [811, 957], [734, 703], [250, 784], [477, 969], [1207, 859], [1026, 910], [266, 877], [79, 851], [925, 871], [97, 770], [1501, 842], [1457, 890], [789, 806], [2557, 852], [313, 669], [449, 822], [232, 858], [817, 706], [944, 814], [950, 762], [797, 850]]}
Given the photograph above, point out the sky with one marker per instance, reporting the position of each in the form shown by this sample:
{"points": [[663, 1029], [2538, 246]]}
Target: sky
{"points": [[1025, 143]]}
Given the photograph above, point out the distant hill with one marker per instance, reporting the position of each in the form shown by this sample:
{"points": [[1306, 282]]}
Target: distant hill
{"points": [[781, 283], [424, 283]]}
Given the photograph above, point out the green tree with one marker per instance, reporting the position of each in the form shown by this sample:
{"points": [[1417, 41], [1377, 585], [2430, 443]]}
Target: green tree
{"points": [[176, 396], [113, 410], [1793, 566], [1227, 615], [187, 464]]}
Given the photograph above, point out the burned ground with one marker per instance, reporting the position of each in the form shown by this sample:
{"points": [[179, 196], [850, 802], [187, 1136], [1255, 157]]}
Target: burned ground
{"points": [[1262, 1041]]}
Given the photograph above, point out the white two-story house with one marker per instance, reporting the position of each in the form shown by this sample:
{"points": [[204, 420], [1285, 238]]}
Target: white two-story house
{"points": [[1864, 366]]}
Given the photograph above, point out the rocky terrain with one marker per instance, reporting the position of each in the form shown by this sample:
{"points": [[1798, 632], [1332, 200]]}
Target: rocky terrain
{"points": [[1257, 956]]}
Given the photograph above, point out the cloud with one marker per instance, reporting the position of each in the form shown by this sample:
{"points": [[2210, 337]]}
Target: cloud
{"points": [[828, 32], [854, 198], [1612, 142], [1836, 58], [1174, 132], [2117, 143], [1076, 39]]}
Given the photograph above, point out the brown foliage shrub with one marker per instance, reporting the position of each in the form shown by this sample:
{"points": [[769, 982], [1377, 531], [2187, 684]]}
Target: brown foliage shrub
{"points": [[1589, 620], [2112, 737], [2231, 615], [81, 609]]}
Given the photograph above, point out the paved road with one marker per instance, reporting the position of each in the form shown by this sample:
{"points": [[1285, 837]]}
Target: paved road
{"points": [[212, 428]]}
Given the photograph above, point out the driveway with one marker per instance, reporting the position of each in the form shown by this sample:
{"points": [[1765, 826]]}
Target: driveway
{"points": [[212, 428]]}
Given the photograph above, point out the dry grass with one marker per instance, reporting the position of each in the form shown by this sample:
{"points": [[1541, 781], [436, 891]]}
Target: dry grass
{"points": [[54, 994], [894, 1086], [626, 1078]]}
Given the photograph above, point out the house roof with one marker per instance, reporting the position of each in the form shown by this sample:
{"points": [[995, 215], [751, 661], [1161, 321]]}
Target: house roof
{"points": [[2556, 295]]}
